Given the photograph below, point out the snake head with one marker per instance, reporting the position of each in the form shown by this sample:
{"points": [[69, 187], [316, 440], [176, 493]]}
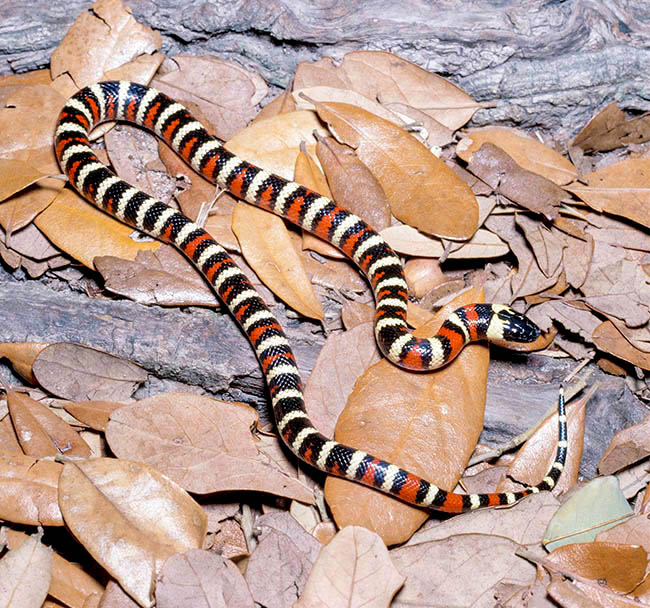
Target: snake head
{"points": [[508, 326]]}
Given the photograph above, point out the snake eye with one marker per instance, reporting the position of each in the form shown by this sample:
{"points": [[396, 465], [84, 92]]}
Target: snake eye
{"points": [[517, 327]]}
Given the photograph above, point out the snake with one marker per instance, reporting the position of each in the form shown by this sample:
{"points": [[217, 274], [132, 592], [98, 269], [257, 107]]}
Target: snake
{"points": [[172, 122]]}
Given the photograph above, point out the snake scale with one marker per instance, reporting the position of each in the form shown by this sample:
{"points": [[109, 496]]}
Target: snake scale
{"points": [[144, 106]]}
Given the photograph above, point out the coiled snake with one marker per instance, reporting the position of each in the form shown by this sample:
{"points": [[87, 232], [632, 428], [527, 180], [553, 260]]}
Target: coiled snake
{"points": [[144, 106]]}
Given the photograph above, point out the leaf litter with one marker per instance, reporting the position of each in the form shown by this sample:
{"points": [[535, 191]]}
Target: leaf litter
{"points": [[566, 242]]}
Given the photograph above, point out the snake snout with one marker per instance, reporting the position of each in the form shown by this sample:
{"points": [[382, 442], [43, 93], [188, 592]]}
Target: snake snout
{"points": [[517, 327]]}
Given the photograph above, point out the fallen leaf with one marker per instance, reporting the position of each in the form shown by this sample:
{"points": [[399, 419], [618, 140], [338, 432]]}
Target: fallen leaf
{"points": [[69, 584], [422, 275], [9, 444], [16, 175], [547, 244], [22, 355], [527, 152], [25, 575], [130, 518], [226, 93], [610, 128], [41, 432], [69, 216], [230, 541], [183, 435], [622, 189], [595, 507], [354, 569], [102, 38], [609, 339], [617, 566], [506, 177], [292, 551], [282, 104], [421, 190], [201, 579], [267, 248], [484, 563], [437, 447], [628, 446], [28, 490], [94, 414], [80, 373]]}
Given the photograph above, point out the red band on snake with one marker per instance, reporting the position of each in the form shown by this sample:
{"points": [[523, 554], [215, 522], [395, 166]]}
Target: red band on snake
{"points": [[144, 106]]}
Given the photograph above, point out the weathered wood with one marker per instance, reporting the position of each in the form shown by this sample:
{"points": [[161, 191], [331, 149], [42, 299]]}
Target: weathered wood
{"points": [[549, 65]]}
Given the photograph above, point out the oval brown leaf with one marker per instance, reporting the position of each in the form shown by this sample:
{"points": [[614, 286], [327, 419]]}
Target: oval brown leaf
{"points": [[22, 355], [628, 446], [203, 444], [422, 191], [130, 518], [358, 561], [617, 566], [201, 579], [608, 338], [425, 423], [80, 373], [94, 414], [28, 491], [529, 153], [268, 249], [15, 175]]}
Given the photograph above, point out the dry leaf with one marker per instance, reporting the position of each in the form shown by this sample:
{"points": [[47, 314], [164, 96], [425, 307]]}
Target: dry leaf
{"points": [[16, 175], [28, 490], [424, 423], [486, 566], [94, 414], [527, 152], [41, 432], [628, 446], [617, 566], [609, 339], [69, 216], [422, 191], [291, 550], [354, 569], [610, 129], [69, 584], [547, 244], [22, 355], [102, 38], [8, 441], [164, 277], [226, 93], [25, 575], [130, 518], [80, 373], [353, 186], [201, 579], [282, 104], [622, 189], [422, 275], [267, 248], [524, 187], [201, 443]]}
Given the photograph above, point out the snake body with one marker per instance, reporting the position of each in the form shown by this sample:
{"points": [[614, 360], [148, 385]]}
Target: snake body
{"points": [[144, 106]]}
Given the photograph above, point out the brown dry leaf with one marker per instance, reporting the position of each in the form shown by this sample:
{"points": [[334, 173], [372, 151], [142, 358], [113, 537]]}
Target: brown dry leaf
{"points": [[41, 432], [633, 531], [140, 70], [622, 189], [505, 176], [80, 373], [230, 541], [617, 566], [422, 191], [462, 570], [338, 275], [356, 313], [16, 175], [25, 575], [164, 277], [425, 423], [226, 93], [28, 492], [70, 584], [130, 518], [308, 173], [203, 444], [94, 414], [201, 579], [354, 569], [274, 143], [433, 133], [626, 447], [607, 337], [8, 441], [342, 360], [102, 38], [291, 550], [536, 456], [527, 152], [22, 355], [267, 248], [282, 104], [422, 275], [9, 83], [69, 216], [219, 226], [610, 128], [547, 244], [353, 186]]}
